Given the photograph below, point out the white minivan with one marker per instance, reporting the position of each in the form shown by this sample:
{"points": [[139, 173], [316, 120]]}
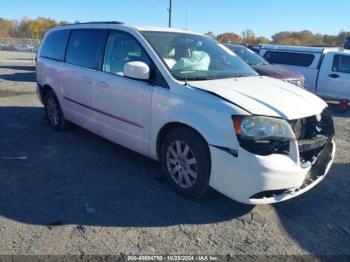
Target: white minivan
{"points": [[186, 100]]}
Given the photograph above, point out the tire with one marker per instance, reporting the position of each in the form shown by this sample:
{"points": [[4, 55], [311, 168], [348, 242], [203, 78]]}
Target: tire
{"points": [[188, 172], [54, 112]]}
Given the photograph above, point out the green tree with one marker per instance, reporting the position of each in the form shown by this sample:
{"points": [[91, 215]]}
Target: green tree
{"points": [[340, 40], [290, 41], [278, 37], [261, 40]]}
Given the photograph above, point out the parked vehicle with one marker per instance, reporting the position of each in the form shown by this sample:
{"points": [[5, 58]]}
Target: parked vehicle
{"points": [[8, 48], [254, 48], [326, 70], [24, 48], [264, 68], [182, 99], [347, 43]]}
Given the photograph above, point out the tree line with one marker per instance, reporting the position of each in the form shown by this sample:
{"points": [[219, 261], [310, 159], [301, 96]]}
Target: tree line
{"points": [[27, 28], [36, 28], [303, 38]]}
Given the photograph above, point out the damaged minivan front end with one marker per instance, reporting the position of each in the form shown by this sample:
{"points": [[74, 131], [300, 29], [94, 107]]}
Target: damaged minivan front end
{"points": [[277, 159], [283, 141]]}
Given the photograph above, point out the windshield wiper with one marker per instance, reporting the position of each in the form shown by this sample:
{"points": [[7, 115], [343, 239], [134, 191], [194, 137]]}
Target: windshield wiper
{"points": [[237, 75], [195, 78], [202, 78]]}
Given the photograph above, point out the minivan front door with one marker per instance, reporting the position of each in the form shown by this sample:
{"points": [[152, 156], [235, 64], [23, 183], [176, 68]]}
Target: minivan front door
{"points": [[122, 104]]}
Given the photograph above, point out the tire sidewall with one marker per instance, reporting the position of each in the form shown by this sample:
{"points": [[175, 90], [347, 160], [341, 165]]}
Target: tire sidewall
{"points": [[200, 150], [61, 121]]}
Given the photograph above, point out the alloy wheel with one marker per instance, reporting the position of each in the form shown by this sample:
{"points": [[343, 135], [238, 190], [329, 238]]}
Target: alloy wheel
{"points": [[182, 164]]}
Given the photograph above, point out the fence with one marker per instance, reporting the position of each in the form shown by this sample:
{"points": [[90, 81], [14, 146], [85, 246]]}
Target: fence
{"points": [[18, 49]]}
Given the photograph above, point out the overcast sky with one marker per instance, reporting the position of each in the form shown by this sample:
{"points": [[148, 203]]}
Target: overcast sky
{"points": [[265, 17]]}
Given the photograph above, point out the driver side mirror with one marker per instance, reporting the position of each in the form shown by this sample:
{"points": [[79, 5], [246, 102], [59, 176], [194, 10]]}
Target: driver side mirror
{"points": [[137, 70]]}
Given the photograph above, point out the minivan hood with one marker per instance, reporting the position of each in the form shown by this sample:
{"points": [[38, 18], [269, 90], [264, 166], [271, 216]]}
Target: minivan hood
{"points": [[265, 96], [277, 72]]}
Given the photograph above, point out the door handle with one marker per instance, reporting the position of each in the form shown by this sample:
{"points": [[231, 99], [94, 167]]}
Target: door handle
{"points": [[102, 84], [87, 79], [334, 75]]}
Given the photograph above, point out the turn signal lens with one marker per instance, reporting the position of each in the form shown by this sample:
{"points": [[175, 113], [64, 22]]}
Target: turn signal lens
{"points": [[237, 125]]}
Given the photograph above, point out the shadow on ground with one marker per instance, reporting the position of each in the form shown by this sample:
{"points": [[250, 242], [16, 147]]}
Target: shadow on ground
{"points": [[319, 219], [19, 77], [18, 67], [15, 73], [335, 111], [75, 177]]}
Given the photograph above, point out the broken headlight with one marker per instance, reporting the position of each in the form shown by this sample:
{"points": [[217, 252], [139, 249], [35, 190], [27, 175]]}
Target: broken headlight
{"points": [[263, 135]]}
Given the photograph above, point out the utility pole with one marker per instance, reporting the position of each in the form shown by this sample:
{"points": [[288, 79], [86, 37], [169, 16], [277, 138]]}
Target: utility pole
{"points": [[170, 9]]}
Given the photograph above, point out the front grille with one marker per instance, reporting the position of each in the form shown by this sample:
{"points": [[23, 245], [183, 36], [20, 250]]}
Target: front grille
{"points": [[313, 134]]}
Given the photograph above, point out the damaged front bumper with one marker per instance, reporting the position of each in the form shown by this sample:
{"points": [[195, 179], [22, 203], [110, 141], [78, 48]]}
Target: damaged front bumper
{"points": [[264, 179], [316, 174], [254, 180]]}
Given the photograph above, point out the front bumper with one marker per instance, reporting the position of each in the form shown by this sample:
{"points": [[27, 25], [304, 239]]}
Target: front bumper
{"points": [[245, 177]]}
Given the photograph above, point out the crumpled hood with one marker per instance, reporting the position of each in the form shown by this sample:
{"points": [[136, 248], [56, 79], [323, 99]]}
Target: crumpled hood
{"points": [[265, 96]]}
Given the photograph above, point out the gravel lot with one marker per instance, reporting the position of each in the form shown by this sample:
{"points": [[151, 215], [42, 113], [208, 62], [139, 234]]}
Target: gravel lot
{"points": [[75, 193]]}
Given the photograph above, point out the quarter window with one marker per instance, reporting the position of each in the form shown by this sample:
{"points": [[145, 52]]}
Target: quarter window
{"points": [[54, 46], [289, 58], [341, 63], [121, 49], [85, 48]]}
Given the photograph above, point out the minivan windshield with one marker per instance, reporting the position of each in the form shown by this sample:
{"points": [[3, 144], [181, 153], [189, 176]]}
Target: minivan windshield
{"points": [[195, 57], [248, 55]]}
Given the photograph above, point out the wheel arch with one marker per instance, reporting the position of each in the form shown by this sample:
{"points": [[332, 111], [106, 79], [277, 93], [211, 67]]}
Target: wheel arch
{"points": [[45, 89], [170, 127]]}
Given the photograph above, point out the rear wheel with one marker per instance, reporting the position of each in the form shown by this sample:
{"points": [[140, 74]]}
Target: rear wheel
{"points": [[54, 112], [185, 162]]}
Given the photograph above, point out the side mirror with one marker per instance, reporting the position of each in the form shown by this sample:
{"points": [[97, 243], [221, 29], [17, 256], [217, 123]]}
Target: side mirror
{"points": [[137, 70]]}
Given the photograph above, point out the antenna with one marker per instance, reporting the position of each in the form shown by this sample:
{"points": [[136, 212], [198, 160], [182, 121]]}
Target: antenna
{"points": [[170, 9], [186, 18]]}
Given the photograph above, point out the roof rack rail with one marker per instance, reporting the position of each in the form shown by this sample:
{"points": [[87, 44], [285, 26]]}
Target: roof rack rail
{"points": [[99, 22]]}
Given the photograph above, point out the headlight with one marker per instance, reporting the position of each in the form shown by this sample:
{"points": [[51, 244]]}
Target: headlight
{"points": [[262, 128], [263, 135]]}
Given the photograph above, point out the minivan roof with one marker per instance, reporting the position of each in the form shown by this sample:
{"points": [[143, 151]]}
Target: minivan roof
{"points": [[112, 24]]}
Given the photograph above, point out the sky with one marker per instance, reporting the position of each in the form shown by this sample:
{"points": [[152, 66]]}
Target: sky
{"points": [[264, 17]]}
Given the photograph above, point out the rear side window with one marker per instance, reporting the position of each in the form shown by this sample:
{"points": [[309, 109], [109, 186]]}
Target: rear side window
{"points": [[54, 46], [85, 48], [289, 58], [341, 63]]}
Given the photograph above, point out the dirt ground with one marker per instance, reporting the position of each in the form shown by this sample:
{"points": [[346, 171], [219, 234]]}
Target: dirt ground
{"points": [[73, 192]]}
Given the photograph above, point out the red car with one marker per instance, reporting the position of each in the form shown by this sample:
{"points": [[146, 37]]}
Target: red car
{"points": [[264, 68]]}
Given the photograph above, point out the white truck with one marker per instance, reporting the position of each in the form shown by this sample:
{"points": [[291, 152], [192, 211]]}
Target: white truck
{"points": [[326, 70]]}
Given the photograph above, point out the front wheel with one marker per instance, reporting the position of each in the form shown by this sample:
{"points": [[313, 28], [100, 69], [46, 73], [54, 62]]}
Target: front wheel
{"points": [[185, 160]]}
